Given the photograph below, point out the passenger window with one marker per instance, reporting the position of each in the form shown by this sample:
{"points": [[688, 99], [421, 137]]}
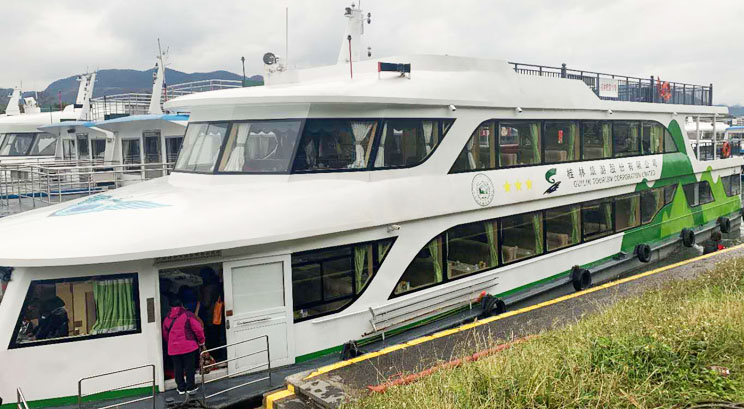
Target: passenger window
{"points": [[652, 138], [733, 186], [521, 236], [480, 151], [562, 227], [130, 150], [669, 192], [260, 146], [669, 145], [335, 144], [424, 270], [627, 212], [201, 146], [16, 144], [626, 138], [597, 140], [519, 143], [691, 193], [327, 280], [471, 248], [72, 309], [45, 145], [705, 193], [652, 200], [561, 141], [407, 142], [597, 219]]}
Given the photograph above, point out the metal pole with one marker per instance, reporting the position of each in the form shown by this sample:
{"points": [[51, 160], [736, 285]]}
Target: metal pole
{"points": [[697, 135], [715, 138], [242, 59], [710, 95], [268, 357]]}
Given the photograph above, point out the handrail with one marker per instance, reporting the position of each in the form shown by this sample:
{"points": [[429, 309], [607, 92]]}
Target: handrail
{"points": [[20, 399], [202, 367], [151, 382]]}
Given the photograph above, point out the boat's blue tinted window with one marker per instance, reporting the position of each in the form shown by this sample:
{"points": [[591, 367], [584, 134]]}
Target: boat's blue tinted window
{"points": [[260, 146], [201, 147], [408, 142], [17, 144], [329, 144], [78, 308]]}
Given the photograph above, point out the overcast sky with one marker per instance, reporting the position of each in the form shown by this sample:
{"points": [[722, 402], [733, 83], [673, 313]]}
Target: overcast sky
{"points": [[680, 40]]}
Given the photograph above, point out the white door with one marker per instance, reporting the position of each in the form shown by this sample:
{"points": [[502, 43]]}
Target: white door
{"points": [[258, 309]]}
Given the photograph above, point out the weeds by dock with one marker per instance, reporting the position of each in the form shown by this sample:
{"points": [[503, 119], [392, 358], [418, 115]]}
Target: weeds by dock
{"points": [[670, 347]]}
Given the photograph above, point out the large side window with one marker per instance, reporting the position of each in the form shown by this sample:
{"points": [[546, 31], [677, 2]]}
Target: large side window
{"points": [[597, 139], [626, 138], [335, 144], [652, 200], [732, 184], [561, 140], [424, 270], [669, 192], [480, 151], [471, 248], [260, 146], [131, 152], [407, 142], [79, 308], [519, 143], [201, 146], [16, 144], [669, 145], [597, 219], [45, 145], [652, 138], [691, 193], [327, 280], [562, 227], [627, 212], [705, 192], [521, 236]]}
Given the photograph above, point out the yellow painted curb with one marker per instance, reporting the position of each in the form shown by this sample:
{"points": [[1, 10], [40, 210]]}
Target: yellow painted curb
{"points": [[271, 398], [341, 364]]}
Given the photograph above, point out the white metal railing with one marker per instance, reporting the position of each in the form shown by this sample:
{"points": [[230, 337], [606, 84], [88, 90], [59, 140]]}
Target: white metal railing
{"points": [[20, 400], [203, 367], [150, 382], [119, 104], [47, 183], [179, 90]]}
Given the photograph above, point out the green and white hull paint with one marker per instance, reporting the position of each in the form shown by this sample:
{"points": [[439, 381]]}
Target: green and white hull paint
{"points": [[260, 228]]}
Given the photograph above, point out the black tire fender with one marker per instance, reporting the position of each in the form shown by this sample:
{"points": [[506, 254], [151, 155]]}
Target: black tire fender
{"points": [[492, 306], [724, 223], [688, 237], [581, 278], [643, 252]]}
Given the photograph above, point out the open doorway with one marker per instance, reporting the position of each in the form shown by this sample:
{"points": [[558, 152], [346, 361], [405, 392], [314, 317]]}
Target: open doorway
{"points": [[199, 288]]}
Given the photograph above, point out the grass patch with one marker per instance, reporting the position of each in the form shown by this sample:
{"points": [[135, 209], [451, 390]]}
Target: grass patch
{"points": [[660, 349]]}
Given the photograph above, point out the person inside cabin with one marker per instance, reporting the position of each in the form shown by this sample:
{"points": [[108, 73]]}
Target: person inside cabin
{"points": [[211, 296], [184, 335], [189, 298], [53, 322]]}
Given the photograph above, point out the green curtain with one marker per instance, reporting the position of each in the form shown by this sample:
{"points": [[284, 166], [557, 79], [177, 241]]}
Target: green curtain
{"points": [[606, 141], [115, 309], [493, 246], [608, 215], [656, 135], [382, 248], [535, 138], [575, 224], [360, 255], [436, 260], [634, 138], [537, 229], [572, 133]]}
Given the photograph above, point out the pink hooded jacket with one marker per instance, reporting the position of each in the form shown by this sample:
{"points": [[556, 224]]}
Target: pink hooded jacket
{"points": [[186, 333]]}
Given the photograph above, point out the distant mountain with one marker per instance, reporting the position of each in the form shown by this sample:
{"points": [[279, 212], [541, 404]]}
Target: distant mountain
{"points": [[736, 110], [114, 81]]}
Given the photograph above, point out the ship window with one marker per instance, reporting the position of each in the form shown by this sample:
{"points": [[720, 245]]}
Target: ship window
{"points": [[669, 145], [731, 184], [201, 147], [131, 151], [480, 151], [597, 219], [691, 193], [519, 143], [562, 227], [335, 144], [260, 146], [99, 148], [45, 145], [627, 212], [78, 308], [561, 140], [327, 280], [626, 139], [521, 236], [597, 137], [17, 144], [471, 248], [425, 269], [652, 200], [172, 147], [82, 146], [669, 193], [706, 194], [407, 142], [652, 138]]}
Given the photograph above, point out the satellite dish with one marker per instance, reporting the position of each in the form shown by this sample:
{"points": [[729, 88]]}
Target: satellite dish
{"points": [[269, 59]]}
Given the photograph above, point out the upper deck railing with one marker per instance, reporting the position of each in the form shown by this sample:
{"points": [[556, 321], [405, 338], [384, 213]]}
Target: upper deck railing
{"points": [[614, 87]]}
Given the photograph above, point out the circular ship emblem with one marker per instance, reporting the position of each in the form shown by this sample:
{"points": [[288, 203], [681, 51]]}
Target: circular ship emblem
{"points": [[482, 189]]}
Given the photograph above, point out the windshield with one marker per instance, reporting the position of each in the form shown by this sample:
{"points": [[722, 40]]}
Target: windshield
{"points": [[201, 147], [46, 144], [16, 144], [260, 146]]}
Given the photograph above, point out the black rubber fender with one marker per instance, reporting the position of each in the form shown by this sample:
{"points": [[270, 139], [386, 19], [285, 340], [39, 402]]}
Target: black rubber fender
{"points": [[688, 237], [643, 252], [724, 223], [492, 306], [581, 278]]}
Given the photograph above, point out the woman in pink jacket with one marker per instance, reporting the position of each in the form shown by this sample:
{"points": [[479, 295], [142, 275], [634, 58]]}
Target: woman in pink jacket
{"points": [[184, 335]]}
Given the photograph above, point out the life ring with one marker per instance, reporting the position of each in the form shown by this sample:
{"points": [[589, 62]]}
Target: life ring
{"points": [[726, 150], [688, 237], [665, 91], [643, 251], [581, 278]]}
